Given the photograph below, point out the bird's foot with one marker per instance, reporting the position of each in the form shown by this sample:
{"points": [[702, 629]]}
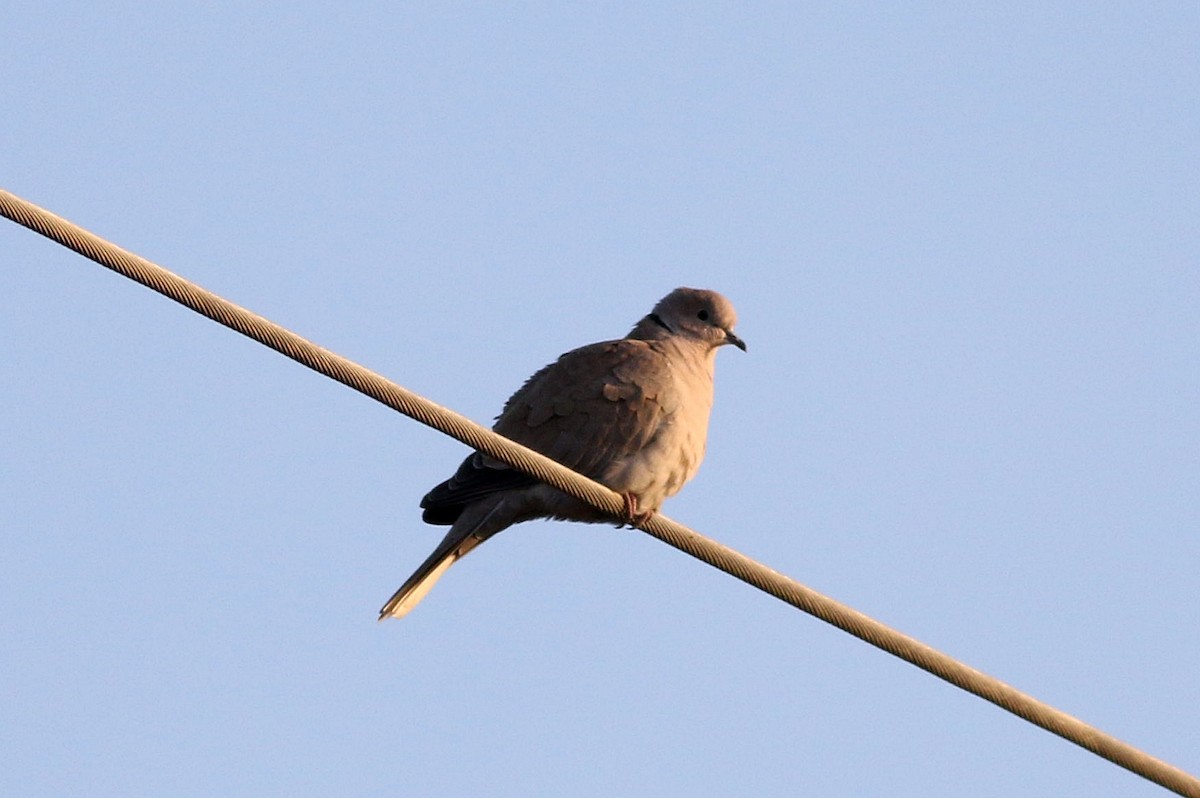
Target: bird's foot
{"points": [[629, 514]]}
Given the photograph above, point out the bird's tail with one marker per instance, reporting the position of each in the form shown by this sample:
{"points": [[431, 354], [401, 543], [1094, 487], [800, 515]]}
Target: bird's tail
{"points": [[453, 547]]}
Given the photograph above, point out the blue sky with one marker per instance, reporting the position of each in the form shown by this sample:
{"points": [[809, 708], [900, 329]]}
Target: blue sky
{"points": [[963, 246]]}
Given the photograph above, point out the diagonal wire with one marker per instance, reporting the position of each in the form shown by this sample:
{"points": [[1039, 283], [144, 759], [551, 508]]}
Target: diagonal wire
{"points": [[463, 429]]}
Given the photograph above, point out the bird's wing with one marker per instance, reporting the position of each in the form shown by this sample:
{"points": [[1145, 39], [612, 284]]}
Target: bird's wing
{"points": [[589, 409], [593, 406]]}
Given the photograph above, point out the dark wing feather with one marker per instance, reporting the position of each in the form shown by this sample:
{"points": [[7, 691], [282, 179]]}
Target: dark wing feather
{"points": [[478, 476], [590, 408]]}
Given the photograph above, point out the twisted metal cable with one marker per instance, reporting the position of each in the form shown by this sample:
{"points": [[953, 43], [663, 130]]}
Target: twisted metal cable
{"points": [[689, 541]]}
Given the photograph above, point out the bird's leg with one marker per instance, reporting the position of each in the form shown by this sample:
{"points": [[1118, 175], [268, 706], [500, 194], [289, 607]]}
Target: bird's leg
{"points": [[630, 515]]}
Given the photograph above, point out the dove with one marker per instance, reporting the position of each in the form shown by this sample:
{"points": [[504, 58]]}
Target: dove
{"points": [[631, 414]]}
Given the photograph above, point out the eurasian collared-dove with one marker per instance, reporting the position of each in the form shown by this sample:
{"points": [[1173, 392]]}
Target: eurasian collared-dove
{"points": [[631, 414]]}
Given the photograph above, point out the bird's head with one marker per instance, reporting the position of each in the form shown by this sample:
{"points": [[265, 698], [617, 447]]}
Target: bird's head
{"points": [[696, 314]]}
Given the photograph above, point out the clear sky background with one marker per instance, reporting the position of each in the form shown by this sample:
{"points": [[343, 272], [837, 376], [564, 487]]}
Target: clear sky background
{"points": [[963, 243]]}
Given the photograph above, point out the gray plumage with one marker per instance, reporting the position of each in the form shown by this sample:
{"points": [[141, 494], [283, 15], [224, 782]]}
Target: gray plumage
{"points": [[631, 414]]}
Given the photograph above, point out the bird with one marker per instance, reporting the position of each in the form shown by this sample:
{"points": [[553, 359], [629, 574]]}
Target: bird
{"points": [[630, 413]]}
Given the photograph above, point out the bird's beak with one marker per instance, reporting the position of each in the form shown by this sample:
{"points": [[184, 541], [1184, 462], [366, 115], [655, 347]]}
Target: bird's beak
{"points": [[730, 338]]}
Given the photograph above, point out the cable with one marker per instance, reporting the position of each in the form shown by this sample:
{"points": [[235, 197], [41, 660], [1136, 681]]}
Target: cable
{"points": [[719, 556]]}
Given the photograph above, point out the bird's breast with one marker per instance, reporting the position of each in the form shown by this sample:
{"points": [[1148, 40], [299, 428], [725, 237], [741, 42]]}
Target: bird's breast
{"points": [[672, 456]]}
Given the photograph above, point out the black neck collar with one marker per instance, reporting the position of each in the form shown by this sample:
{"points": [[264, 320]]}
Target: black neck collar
{"points": [[654, 317]]}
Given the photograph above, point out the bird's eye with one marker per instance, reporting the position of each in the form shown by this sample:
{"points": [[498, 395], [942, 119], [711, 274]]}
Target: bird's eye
{"points": [[702, 315]]}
